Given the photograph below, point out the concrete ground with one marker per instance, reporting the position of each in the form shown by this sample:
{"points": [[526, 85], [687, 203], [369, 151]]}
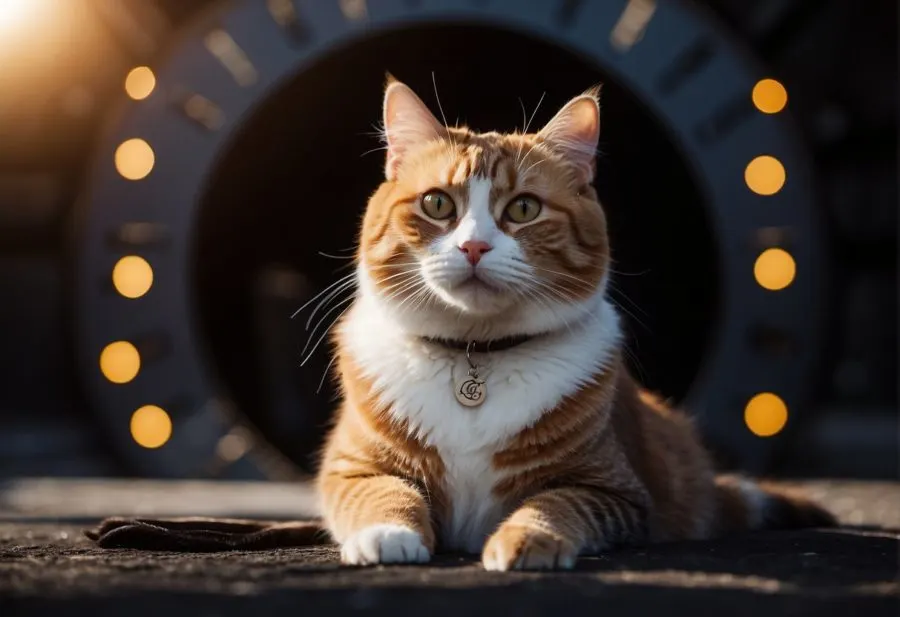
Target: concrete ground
{"points": [[48, 568]]}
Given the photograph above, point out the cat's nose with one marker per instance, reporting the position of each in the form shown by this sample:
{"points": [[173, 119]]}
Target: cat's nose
{"points": [[474, 249]]}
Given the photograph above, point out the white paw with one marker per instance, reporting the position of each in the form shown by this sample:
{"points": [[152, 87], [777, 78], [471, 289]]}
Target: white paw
{"points": [[384, 544]]}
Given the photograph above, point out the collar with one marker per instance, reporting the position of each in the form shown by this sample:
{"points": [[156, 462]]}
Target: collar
{"points": [[471, 346]]}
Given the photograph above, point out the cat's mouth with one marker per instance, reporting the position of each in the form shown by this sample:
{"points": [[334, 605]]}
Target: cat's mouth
{"points": [[477, 283]]}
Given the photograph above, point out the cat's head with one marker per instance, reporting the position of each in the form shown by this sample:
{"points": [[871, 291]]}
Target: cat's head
{"points": [[488, 233]]}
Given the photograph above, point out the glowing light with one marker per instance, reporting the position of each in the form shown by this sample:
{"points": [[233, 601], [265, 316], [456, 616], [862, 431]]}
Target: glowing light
{"points": [[120, 362], [233, 446], [14, 12], [632, 24], [354, 10], [140, 83], [765, 175], [132, 276], [765, 414], [151, 426], [769, 96], [774, 269], [233, 58], [135, 159]]}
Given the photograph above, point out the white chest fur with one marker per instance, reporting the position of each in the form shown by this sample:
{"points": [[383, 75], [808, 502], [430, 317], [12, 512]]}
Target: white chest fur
{"points": [[416, 380]]}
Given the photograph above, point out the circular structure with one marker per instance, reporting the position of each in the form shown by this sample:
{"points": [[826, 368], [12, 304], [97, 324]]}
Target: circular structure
{"points": [[270, 68]]}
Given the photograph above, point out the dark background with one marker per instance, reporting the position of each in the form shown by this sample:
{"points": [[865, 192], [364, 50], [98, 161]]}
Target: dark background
{"points": [[261, 219]]}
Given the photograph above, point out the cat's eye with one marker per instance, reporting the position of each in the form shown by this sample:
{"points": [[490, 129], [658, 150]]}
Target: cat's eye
{"points": [[438, 205], [523, 209]]}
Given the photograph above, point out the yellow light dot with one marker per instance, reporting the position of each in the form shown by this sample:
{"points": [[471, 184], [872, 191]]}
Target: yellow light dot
{"points": [[774, 269], [132, 276], [769, 96], [765, 414], [764, 175], [135, 159], [151, 426], [120, 362], [140, 82]]}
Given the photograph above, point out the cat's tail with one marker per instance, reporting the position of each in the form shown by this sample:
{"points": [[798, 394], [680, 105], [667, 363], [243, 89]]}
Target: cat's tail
{"points": [[748, 505]]}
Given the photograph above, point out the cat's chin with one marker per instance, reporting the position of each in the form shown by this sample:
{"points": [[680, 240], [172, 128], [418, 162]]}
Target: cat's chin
{"points": [[477, 297]]}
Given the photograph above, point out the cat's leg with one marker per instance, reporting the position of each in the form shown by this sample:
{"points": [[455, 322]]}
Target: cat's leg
{"points": [[377, 519], [550, 529]]}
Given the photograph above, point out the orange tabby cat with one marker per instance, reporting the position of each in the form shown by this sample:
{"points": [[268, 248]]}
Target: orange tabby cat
{"points": [[486, 407]]}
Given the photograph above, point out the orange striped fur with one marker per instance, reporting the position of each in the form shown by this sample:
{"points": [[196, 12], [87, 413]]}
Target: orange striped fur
{"points": [[566, 455]]}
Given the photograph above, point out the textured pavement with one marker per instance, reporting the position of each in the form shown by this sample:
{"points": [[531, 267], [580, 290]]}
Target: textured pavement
{"points": [[48, 568]]}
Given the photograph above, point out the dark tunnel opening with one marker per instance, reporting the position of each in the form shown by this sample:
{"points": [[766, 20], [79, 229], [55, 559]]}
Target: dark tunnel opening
{"points": [[296, 180]]}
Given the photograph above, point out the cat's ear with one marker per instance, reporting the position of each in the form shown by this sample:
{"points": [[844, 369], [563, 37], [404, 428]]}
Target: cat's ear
{"points": [[407, 122], [575, 130]]}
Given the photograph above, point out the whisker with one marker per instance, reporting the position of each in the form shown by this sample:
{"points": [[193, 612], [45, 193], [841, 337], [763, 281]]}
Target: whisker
{"points": [[325, 372], [441, 109], [327, 299], [322, 320], [324, 334], [318, 295], [330, 256], [378, 149], [536, 107]]}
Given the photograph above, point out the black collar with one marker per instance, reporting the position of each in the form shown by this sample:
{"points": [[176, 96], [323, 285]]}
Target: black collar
{"points": [[499, 344]]}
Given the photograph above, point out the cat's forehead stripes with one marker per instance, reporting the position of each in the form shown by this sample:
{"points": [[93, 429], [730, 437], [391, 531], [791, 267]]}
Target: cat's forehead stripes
{"points": [[477, 156]]}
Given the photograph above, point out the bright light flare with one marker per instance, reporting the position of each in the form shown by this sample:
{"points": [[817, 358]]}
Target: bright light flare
{"points": [[15, 14], [135, 159], [132, 276], [769, 96], [120, 362], [765, 175], [766, 414], [151, 427], [774, 269], [140, 83]]}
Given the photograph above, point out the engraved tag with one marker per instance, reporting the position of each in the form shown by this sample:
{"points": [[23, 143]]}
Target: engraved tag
{"points": [[470, 391]]}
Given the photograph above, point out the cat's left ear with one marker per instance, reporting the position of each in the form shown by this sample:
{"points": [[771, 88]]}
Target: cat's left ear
{"points": [[407, 123], [575, 130]]}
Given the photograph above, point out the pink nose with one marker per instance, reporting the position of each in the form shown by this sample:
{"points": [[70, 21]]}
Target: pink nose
{"points": [[474, 249]]}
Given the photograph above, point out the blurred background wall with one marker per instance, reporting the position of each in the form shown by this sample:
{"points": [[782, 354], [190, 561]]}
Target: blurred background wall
{"points": [[177, 177]]}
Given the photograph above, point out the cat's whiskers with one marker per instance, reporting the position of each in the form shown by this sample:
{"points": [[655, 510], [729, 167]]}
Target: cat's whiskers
{"points": [[585, 285], [450, 151], [325, 333], [403, 294], [320, 322], [533, 165], [325, 372], [378, 149], [347, 285], [340, 281], [420, 288], [518, 161]]}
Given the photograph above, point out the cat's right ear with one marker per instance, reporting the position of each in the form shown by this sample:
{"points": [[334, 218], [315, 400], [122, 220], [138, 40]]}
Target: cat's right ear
{"points": [[407, 122]]}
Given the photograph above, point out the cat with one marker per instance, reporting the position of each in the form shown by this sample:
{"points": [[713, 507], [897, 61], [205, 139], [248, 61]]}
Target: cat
{"points": [[486, 407]]}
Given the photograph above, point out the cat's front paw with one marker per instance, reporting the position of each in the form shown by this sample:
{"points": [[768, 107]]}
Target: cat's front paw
{"points": [[517, 547], [384, 544]]}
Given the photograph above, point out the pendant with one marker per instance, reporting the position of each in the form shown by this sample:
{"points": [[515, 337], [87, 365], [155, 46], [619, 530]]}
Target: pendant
{"points": [[470, 391]]}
